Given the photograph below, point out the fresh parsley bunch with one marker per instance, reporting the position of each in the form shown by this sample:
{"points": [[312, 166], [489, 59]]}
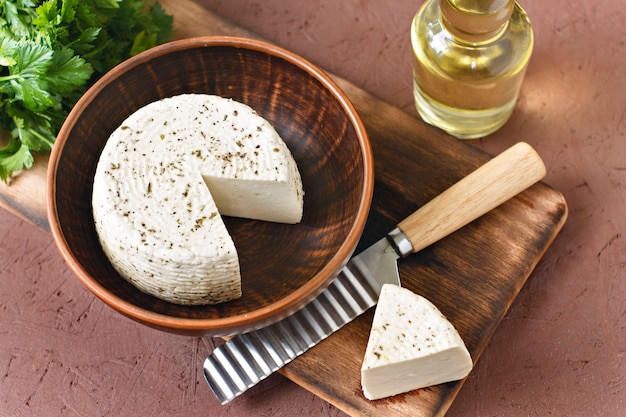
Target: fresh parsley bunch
{"points": [[51, 52]]}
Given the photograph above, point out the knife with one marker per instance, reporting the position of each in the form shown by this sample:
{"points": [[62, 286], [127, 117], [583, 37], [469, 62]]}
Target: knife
{"points": [[248, 358]]}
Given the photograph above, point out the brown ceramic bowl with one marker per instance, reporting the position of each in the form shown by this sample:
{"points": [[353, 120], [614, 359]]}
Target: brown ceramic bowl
{"points": [[283, 267]]}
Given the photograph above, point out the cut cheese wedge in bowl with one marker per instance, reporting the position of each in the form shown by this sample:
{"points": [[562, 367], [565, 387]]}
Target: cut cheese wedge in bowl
{"points": [[164, 179], [411, 345]]}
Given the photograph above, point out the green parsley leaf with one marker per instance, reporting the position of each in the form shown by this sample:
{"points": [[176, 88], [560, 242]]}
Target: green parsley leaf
{"points": [[67, 72], [14, 157], [52, 51]]}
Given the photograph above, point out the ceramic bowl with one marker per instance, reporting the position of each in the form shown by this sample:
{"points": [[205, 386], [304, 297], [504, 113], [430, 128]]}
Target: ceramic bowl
{"points": [[283, 267]]}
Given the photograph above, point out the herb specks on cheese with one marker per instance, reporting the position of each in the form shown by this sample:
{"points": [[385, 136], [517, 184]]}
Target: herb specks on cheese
{"points": [[159, 164], [411, 345]]}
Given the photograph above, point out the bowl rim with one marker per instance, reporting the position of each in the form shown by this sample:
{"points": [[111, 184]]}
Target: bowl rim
{"points": [[241, 322]]}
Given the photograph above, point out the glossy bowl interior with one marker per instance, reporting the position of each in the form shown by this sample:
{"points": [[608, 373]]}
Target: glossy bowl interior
{"points": [[282, 266]]}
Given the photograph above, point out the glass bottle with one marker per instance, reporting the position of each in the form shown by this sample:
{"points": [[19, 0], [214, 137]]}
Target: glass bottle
{"points": [[470, 57]]}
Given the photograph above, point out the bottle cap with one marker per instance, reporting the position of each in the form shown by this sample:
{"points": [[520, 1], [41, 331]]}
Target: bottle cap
{"points": [[476, 20]]}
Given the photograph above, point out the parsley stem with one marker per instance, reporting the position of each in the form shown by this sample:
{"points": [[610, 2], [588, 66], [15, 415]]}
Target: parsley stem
{"points": [[9, 77]]}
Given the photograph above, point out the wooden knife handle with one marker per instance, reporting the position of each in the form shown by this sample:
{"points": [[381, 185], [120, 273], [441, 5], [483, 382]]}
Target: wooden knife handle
{"points": [[495, 182]]}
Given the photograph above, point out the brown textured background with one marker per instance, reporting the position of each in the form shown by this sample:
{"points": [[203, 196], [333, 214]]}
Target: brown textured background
{"points": [[559, 351]]}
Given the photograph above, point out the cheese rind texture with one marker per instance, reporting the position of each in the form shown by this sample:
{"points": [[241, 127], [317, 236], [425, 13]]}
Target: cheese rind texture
{"points": [[411, 345], [157, 218]]}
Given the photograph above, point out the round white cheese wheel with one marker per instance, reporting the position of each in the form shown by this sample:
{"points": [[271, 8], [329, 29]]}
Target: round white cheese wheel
{"points": [[165, 177]]}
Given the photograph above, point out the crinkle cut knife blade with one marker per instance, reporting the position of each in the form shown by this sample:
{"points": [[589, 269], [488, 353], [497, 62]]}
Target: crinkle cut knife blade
{"points": [[246, 359], [249, 358]]}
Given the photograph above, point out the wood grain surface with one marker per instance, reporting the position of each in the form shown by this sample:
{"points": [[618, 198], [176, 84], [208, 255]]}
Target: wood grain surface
{"points": [[473, 276], [314, 118]]}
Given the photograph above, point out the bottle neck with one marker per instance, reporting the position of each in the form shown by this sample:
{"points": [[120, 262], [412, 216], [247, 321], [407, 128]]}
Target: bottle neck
{"points": [[476, 20]]}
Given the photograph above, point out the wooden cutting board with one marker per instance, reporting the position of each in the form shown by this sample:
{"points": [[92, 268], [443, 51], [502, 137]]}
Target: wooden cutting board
{"points": [[473, 276]]}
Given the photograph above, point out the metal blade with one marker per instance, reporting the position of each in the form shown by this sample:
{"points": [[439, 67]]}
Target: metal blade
{"points": [[246, 359], [378, 263]]}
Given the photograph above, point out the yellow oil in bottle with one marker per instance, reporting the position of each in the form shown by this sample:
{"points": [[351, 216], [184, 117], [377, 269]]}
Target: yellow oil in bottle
{"points": [[470, 57]]}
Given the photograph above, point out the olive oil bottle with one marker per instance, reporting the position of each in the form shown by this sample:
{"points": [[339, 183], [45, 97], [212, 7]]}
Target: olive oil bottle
{"points": [[470, 57]]}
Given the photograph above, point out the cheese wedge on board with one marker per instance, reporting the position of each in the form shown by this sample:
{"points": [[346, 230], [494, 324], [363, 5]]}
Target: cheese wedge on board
{"points": [[166, 176], [411, 345]]}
